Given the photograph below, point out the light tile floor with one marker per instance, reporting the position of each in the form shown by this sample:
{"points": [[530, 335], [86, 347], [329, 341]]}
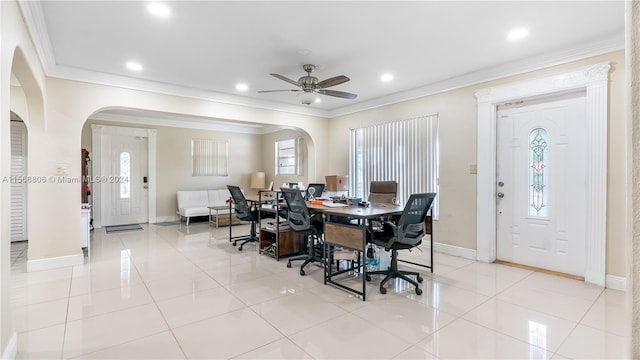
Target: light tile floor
{"points": [[163, 293]]}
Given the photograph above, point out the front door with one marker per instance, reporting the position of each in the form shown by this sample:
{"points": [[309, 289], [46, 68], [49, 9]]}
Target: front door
{"points": [[541, 183], [123, 179]]}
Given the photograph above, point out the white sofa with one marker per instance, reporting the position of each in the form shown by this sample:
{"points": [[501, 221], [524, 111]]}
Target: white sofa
{"points": [[197, 202]]}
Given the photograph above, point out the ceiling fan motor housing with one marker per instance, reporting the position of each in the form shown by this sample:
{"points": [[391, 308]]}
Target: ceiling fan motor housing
{"points": [[308, 82]]}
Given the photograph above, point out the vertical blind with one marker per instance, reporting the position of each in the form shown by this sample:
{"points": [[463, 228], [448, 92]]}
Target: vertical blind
{"points": [[210, 157], [404, 151]]}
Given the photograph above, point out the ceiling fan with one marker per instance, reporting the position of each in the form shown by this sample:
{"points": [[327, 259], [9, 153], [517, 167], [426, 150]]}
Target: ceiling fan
{"points": [[308, 85]]}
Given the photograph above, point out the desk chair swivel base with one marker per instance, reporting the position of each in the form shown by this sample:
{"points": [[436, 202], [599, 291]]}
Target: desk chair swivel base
{"points": [[309, 258], [252, 237], [392, 273]]}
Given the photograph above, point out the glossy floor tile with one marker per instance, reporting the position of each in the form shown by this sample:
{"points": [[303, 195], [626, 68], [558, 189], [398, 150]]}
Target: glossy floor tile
{"points": [[168, 292]]}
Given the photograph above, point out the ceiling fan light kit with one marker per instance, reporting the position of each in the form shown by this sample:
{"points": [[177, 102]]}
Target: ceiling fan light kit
{"points": [[309, 86], [307, 97]]}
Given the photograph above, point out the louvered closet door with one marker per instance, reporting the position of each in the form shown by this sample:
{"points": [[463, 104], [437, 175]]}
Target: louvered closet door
{"points": [[18, 190]]}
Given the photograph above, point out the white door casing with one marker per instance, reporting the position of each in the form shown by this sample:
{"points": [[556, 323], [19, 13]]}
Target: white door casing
{"points": [[541, 183], [100, 136], [593, 79]]}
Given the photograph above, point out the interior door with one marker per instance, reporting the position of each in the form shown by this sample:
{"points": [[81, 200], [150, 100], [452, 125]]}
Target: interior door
{"points": [[541, 184], [123, 180]]}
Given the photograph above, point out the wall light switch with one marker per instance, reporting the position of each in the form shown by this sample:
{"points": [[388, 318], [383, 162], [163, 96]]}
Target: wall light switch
{"points": [[62, 169], [473, 169]]}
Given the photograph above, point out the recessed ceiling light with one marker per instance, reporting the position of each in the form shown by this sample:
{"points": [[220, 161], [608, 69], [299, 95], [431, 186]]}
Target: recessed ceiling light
{"points": [[517, 34], [134, 66], [386, 77], [242, 87], [303, 52], [159, 9]]}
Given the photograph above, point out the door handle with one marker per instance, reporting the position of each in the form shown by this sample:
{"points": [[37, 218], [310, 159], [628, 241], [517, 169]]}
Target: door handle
{"points": [[500, 195]]}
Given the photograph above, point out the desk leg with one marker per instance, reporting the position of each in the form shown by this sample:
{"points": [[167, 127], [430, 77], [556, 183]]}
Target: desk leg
{"points": [[230, 214], [364, 266]]}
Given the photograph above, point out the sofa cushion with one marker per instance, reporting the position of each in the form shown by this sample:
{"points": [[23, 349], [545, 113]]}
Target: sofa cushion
{"points": [[218, 197], [193, 199], [194, 211]]}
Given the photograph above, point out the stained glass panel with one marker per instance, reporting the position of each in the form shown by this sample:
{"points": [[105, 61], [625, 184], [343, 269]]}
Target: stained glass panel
{"points": [[125, 173], [538, 176]]}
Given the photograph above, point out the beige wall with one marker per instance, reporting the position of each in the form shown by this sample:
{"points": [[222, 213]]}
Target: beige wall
{"points": [[269, 153], [458, 131], [174, 161]]}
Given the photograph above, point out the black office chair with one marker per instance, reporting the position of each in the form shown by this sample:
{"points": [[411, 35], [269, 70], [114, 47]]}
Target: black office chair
{"points": [[404, 234], [246, 213], [302, 222], [314, 191]]}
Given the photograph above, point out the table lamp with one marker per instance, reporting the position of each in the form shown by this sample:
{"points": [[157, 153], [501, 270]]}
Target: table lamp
{"points": [[257, 180]]}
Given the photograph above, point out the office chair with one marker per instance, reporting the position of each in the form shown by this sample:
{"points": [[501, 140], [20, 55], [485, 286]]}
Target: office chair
{"points": [[317, 191], [404, 234], [383, 192], [301, 221], [246, 213]]}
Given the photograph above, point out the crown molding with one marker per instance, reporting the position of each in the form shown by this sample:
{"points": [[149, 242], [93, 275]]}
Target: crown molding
{"points": [[188, 123], [601, 46], [37, 27], [34, 18], [94, 77]]}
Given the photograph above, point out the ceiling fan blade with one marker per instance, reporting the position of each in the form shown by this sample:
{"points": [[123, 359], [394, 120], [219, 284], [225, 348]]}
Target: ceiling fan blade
{"points": [[340, 94], [268, 91], [336, 80], [284, 78]]}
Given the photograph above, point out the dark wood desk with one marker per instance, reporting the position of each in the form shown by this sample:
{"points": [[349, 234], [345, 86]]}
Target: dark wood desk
{"points": [[350, 236]]}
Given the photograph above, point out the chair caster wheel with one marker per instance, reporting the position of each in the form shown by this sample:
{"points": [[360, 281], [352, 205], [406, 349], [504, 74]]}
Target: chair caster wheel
{"points": [[383, 290], [418, 291], [289, 265], [420, 279], [240, 248], [368, 278], [234, 244], [302, 272]]}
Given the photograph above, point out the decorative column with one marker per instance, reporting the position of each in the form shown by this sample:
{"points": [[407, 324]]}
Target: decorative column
{"points": [[633, 98]]}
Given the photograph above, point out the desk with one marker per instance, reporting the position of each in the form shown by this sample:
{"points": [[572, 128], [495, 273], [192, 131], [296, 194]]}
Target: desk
{"points": [[351, 236]]}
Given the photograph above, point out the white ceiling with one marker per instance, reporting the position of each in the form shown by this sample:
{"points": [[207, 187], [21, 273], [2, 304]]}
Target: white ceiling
{"points": [[204, 48]]}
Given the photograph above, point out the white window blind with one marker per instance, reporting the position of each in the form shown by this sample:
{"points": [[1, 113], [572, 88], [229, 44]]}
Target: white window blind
{"points": [[18, 188], [403, 151], [210, 157]]}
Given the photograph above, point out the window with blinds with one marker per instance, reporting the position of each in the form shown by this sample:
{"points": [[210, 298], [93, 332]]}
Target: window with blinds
{"points": [[210, 157], [403, 151]]}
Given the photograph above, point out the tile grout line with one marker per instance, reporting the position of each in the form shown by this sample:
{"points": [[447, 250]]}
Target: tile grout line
{"points": [[155, 303]]}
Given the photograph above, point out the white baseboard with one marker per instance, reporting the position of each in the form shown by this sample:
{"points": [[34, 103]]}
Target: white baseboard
{"points": [[55, 262], [453, 250], [616, 282], [167, 218], [11, 350]]}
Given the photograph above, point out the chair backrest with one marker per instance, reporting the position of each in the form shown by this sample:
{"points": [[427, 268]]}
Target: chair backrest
{"points": [[383, 192], [317, 191], [243, 210], [411, 222], [299, 215]]}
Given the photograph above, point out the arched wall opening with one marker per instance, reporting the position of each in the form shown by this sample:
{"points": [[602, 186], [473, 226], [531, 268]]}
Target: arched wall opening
{"points": [[250, 144]]}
